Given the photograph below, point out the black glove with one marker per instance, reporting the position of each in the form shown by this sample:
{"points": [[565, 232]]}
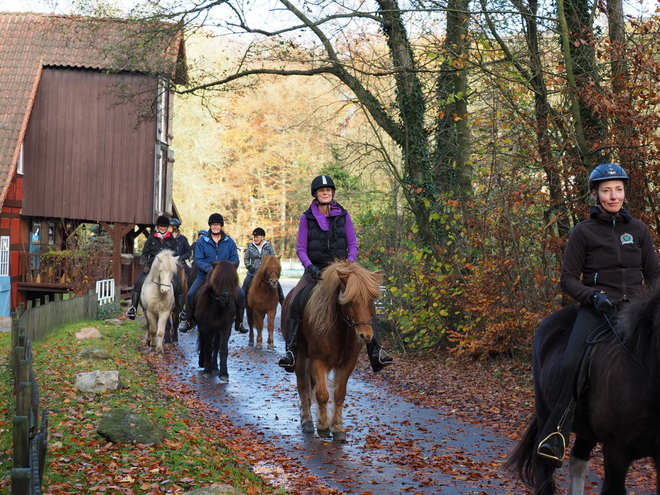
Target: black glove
{"points": [[602, 302], [145, 268], [314, 271], [251, 269]]}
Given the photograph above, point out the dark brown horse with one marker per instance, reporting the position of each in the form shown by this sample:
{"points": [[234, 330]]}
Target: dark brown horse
{"points": [[620, 407], [262, 299], [215, 312], [336, 323]]}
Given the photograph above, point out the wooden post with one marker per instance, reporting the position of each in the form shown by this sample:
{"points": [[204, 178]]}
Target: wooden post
{"points": [[21, 441], [117, 231]]}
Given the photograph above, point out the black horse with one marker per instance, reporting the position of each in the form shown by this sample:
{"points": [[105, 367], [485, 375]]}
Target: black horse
{"points": [[619, 407], [214, 312]]}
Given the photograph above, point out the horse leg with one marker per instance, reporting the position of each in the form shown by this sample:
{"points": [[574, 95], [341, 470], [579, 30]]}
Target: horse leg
{"points": [[152, 325], [223, 374], [616, 466], [271, 327], [259, 324], [340, 381], [250, 319], [579, 464], [320, 377], [160, 333], [305, 394]]}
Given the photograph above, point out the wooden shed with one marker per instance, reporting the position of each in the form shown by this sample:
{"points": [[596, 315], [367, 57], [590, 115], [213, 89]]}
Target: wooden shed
{"points": [[85, 134]]}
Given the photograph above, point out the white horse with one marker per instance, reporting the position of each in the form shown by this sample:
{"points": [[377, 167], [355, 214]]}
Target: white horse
{"points": [[157, 298]]}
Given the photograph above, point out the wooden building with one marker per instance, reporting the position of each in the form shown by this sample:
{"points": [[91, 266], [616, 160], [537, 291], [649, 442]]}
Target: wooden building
{"points": [[85, 134]]}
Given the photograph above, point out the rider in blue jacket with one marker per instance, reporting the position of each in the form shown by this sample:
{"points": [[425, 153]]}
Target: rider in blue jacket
{"points": [[216, 245]]}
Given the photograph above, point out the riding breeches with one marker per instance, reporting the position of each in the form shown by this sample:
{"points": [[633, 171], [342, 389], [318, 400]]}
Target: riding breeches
{"points": [[589, 320]]}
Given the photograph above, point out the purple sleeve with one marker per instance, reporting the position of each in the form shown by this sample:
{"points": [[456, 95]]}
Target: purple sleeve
{"points": [[301, 246], [351, 239]]}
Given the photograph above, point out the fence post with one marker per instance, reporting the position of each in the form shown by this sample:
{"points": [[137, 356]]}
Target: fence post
{"points": [[21, 441], [20, 481]]}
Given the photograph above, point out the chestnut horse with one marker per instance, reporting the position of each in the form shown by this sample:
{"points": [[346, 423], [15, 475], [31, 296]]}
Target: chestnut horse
{"points": [[262, 299], [157, 298], [214, 312], [335, 324]]}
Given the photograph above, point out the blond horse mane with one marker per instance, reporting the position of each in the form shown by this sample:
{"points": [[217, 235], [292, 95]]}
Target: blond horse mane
{"points": [[362, 287], [165, 259]]}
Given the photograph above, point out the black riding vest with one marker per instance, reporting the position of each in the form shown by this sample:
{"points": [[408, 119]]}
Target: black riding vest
{"points": [[325, 247]]}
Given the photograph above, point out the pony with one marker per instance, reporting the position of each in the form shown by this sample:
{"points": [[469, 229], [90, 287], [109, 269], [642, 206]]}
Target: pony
{"points": [[214, 312], [336, 322], [619, 408], [157, 298], [262, 299]]}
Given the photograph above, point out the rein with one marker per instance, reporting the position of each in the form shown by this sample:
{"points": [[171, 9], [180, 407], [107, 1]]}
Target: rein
{"points": [[600, 335]]}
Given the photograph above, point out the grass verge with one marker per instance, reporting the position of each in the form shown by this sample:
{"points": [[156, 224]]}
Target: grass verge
{"points": [[79, 460]]}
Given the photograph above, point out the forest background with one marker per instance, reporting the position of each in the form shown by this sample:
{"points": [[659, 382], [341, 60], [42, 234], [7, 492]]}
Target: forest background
{"points": [[460, 135]]}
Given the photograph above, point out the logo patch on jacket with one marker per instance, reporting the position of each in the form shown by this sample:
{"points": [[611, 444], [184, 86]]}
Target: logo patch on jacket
{"points": [[626, 238]]}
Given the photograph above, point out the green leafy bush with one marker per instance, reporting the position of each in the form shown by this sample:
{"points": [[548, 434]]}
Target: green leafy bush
{"points": [[108, 311]]}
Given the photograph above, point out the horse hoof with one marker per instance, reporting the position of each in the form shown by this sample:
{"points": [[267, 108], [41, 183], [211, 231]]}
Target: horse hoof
{"points": [[223, 378], [324, 433], [308, 427], [251, 343], [339, 436], [207, 374]]}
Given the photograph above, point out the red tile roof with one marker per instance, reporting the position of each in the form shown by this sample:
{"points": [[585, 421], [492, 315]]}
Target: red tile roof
{"points": [[28, 42]]}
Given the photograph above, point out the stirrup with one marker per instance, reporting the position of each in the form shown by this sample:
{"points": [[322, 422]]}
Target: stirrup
{"points": [[183, 316], [552, 456], [131, 312], [288, 361], [384, 358]]}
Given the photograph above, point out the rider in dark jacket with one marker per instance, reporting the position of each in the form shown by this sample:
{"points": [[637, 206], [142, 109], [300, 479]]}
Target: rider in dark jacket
{"points": [[160, 239], [325, 234], [609, 259]]}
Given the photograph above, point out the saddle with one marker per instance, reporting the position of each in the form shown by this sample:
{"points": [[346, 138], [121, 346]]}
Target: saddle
{"points": [[300, 301], [594, 342]]}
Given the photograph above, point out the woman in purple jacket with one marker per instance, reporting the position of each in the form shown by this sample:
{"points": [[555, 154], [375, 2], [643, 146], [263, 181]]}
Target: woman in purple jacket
{"points": [[325, 234], [609, 259]]}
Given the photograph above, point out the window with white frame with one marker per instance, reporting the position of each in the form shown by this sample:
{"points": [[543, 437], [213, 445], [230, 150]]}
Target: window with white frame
{"points": [[4, 255]]}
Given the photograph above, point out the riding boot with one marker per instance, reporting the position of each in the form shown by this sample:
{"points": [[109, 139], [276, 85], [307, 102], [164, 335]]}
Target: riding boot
{"points": [[183, 318], [552, 447], [240, 309], [135, 296], [288, 361], [377, 356]]}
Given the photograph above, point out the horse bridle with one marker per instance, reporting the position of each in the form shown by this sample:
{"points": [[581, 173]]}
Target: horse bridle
{"points": [[349, 321], [268, 279]]}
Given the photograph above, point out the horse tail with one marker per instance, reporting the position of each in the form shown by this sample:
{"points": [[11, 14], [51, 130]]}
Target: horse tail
{"points": [[527, 466]]}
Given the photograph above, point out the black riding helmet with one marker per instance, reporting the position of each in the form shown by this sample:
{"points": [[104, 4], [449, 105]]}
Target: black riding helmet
{"points": [[322, 181], [607, 171], [259, 231], [216, 218], [163, 220]]}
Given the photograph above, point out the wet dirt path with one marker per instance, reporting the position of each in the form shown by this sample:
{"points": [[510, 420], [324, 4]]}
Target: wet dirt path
{"points": [[392, 446]]}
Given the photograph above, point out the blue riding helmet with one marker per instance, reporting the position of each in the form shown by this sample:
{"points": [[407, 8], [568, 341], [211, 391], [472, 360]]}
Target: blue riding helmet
{"points": [[607, 171]]}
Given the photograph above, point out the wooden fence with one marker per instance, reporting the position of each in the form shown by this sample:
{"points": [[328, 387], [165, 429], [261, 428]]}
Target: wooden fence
{"points": [[30, 438]]}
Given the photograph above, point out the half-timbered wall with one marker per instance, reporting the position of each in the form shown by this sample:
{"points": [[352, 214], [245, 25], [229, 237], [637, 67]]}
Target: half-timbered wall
{"points": [[87, 153]]}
